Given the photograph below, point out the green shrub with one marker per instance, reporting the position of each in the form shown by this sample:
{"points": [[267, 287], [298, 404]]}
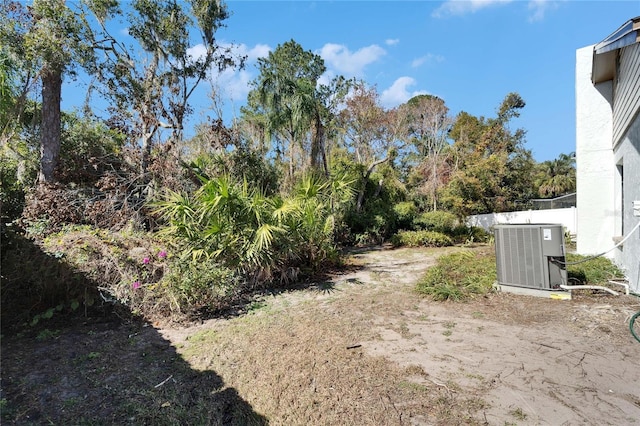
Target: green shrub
{"points": [[595, 271], [463, 234], [89, 150], [376, 219], [37, 284], [138, 271], [127, 266], [200, 286], [373, 225], [421, 239], [479, 234], [405, 213], [439, 221], [460, 275], [266, 239], [18, 169]]}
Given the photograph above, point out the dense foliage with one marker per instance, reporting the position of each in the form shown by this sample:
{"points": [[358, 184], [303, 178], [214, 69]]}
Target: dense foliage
{"points": [[466, 274], [421, 239], [460, 275], [267, 238], [309, 165]]}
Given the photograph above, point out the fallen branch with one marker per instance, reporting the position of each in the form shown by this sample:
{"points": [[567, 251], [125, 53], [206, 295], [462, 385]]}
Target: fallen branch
{"points": [[548, 346], [438, 384], [164, 381]]}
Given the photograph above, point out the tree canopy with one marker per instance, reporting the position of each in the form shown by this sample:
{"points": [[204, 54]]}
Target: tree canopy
{"points": [[312, 162], [296, 122], [492, 170]]}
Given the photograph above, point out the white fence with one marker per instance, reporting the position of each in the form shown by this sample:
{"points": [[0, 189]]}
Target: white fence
{"points": [[567, 217]]}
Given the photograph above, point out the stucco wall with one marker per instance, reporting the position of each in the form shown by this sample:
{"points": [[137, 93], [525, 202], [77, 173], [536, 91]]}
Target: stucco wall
{"points": [[628, 155], [594, 159], [565, 217]]}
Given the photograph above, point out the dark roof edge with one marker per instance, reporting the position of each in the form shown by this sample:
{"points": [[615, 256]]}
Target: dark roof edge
{"points": [[625, 35]]}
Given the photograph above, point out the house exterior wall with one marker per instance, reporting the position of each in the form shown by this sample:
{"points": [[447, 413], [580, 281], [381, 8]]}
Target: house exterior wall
{"points": [[626, 142], [627, 91], [608, 156], [627, 155], [595, 167]]}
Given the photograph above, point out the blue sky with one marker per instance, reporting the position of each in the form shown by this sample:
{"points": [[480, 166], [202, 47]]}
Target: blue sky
{"points": [[469, 53]]}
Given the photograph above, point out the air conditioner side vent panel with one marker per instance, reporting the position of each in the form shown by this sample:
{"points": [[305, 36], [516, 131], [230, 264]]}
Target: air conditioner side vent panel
{"points": [[523, 255]]}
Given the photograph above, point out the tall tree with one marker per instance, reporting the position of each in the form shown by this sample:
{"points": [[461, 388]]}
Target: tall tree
{"points": [[371, 133], [327, 102], [492, 170], [152, 86], [428, 129], [286, 93], [556, 177], [48, 40]]}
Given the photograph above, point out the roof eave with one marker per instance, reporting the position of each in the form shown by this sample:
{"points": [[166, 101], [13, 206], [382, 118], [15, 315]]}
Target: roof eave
{"points": [[605, 52]]}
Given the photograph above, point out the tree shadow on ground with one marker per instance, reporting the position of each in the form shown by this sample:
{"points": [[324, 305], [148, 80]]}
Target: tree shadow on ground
{"points": [[99, 366]]}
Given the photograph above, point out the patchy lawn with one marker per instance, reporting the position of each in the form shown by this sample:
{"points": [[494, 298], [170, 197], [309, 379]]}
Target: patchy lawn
{"points": [[362, 348]]}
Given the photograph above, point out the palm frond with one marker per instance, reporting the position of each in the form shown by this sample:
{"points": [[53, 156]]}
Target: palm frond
{"points": [[285, 209], [264, 236], [174, 206], [329, 225]]}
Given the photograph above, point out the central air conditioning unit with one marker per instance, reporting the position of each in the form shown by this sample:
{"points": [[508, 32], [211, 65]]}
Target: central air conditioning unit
{"points": [[530, 255]]}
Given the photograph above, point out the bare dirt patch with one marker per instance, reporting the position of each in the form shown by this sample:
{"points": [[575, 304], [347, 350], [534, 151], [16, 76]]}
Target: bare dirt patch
{"points": [[361, 348]]}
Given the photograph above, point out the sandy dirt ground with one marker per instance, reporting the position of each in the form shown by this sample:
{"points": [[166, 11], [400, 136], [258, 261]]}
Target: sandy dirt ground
{"points": [[544, 361], [529, 360], [361, 348], [540, 361]]}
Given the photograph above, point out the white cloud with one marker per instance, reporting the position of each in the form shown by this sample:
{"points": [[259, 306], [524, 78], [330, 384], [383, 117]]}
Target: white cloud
{"points": [[392, 41], [257, 51], [462, 7], [197, 51], [428, 58], [398, 93], [539, 8], [339, 57], [234, 84]]}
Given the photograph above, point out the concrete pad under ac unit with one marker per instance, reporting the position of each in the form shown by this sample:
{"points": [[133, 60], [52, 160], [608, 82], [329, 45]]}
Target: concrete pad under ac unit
{"points": [[526, 291]]}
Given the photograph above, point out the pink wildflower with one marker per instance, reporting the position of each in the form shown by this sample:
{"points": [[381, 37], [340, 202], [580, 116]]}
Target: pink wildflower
{"points": [[162, 254], [146, 260], [136, 285]]}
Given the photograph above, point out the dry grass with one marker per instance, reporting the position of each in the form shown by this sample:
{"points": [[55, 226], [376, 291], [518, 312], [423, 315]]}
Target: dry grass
{"points": [[362, 348], [312, 372], [305, 354]]}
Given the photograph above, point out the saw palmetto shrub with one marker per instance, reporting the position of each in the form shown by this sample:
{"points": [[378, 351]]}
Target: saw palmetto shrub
{"points": [[265, 239], [459, 276], [421, 239]]}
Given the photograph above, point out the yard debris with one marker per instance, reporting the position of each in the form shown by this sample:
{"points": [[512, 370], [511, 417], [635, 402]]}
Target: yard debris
{"points": [[164, 381]]}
